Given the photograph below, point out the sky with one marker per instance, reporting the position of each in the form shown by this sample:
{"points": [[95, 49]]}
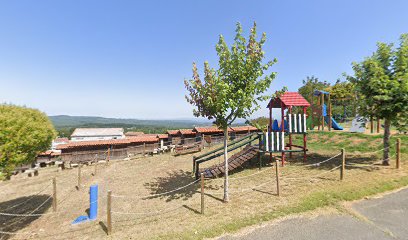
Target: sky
{"points": [[128, 59]]}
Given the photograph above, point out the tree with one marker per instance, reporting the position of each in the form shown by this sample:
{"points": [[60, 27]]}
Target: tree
{"points": [[24, 133], [382, 83], [343, 93], [233, 90], [310, 84]]}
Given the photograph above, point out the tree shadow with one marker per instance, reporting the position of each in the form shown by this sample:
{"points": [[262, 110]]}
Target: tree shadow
{"points": [[168, 185], [22, 205]]}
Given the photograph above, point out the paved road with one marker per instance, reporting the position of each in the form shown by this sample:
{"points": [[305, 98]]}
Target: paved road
{"points": [[378, 219]]}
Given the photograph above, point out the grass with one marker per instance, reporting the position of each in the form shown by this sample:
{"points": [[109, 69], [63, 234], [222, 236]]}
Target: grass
{"points": [[161, 173]]}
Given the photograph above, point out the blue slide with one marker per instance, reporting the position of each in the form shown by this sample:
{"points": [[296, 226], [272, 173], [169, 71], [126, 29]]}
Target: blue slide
{"points": [[335, 125]]}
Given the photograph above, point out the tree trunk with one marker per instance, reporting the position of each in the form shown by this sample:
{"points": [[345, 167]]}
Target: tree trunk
{"points": [[387, 134], [226, 196]]}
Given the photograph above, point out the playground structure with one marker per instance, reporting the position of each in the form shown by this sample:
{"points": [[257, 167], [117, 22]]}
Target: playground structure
{"points": [[272, 141], [291, 123], [322, 112]]}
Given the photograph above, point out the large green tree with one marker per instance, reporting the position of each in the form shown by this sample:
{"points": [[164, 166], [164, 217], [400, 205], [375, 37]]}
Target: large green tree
{"points": [[234, 89], [24, 133], [382, 83]]}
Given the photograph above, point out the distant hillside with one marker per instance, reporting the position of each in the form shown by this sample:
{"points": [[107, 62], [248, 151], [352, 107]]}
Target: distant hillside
{"points": [[68, 121], [66, 124]]}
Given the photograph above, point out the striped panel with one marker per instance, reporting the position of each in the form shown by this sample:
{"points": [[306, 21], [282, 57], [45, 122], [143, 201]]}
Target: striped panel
{"points": [[290, 122], [304, 123]]}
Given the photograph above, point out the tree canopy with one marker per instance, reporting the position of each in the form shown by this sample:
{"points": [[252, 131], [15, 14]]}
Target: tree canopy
{"points": [[24, 133], [382, 83], [235, 89]]}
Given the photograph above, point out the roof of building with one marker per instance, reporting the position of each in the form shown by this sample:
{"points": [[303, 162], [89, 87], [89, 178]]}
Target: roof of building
{"points": [[163, 136], [289, 99], [134, 133], [172, 132], [187, 131], [244, 128], [113, 142], [81, 132], [209, 129]]}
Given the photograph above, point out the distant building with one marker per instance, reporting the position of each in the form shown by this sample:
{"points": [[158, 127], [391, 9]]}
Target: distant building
{"points": [[58, 141], [95, 134]]}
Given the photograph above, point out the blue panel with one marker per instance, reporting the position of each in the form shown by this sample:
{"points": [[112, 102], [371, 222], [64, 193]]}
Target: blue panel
{"points": [[93, 199]]}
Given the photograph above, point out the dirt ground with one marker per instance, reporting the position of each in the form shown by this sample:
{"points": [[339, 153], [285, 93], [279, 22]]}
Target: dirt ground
{"points": [[137, 216]]}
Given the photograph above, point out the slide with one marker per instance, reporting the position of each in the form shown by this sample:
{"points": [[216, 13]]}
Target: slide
{"points": [[335, 125]]}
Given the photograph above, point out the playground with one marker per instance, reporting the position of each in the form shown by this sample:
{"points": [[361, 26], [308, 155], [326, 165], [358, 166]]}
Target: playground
{"points": [[158, 197]]}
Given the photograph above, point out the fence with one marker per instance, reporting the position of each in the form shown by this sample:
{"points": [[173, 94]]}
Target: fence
{"points": [[112, 211]]}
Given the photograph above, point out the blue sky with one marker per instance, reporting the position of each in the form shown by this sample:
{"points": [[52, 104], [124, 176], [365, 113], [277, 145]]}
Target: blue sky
{"points": [[129, 59]]}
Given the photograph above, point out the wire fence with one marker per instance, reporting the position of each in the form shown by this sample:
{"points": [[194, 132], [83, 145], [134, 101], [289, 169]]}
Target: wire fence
{"points": [[130, 198]]}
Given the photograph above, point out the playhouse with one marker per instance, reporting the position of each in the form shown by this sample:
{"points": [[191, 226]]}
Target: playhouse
{"points": [[293, 109]]}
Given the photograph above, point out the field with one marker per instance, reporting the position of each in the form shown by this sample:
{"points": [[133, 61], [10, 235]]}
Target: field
{"points": [[176, 215]]}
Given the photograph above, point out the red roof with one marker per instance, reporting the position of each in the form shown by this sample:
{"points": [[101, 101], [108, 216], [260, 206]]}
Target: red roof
{"points": [[163, 136], [172, 132], [61, 140], [187, 132], [210, 129], [289, 99], [244, 128]]}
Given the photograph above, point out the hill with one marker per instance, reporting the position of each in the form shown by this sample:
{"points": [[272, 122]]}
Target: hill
{"points": [[65, 124]]}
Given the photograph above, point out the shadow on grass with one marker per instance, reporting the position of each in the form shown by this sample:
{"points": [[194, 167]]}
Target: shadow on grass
{"points": [[22, 205], [174, 180]]}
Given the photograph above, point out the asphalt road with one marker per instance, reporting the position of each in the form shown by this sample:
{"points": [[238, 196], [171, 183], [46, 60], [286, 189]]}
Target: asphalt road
{"points": [[374, 219]]}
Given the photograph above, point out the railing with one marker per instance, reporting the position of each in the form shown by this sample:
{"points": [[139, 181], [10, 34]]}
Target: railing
{"points": [[220, 151]]}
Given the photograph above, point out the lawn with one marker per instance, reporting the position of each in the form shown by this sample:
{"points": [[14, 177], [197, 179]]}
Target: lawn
{"points": [[176, 215]]}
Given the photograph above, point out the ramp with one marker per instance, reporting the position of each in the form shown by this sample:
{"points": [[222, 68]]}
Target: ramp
{"points": [[235, 161]]}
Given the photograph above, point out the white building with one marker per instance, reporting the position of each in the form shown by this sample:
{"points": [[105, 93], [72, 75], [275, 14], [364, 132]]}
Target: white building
{"points": [[92, 134]]}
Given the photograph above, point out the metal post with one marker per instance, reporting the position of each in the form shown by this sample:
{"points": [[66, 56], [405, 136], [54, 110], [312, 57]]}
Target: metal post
{"points": [[277, 178], [398, 152], [202, 193], [54, 194], [109, 213], [343, 163]]}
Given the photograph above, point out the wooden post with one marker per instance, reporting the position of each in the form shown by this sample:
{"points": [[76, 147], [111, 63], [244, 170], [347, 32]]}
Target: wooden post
{"points": [[398, 153], [109, 213], [202, 193], [322, 112], [378, 124], [95, 168], [54, 194], [108, 156], [277, 178], [343, 163], [79, 176], [330, 113], [371, 125]]}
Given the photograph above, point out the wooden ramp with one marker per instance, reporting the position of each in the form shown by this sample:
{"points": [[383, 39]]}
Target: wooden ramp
{"points": [[234, 162]]}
